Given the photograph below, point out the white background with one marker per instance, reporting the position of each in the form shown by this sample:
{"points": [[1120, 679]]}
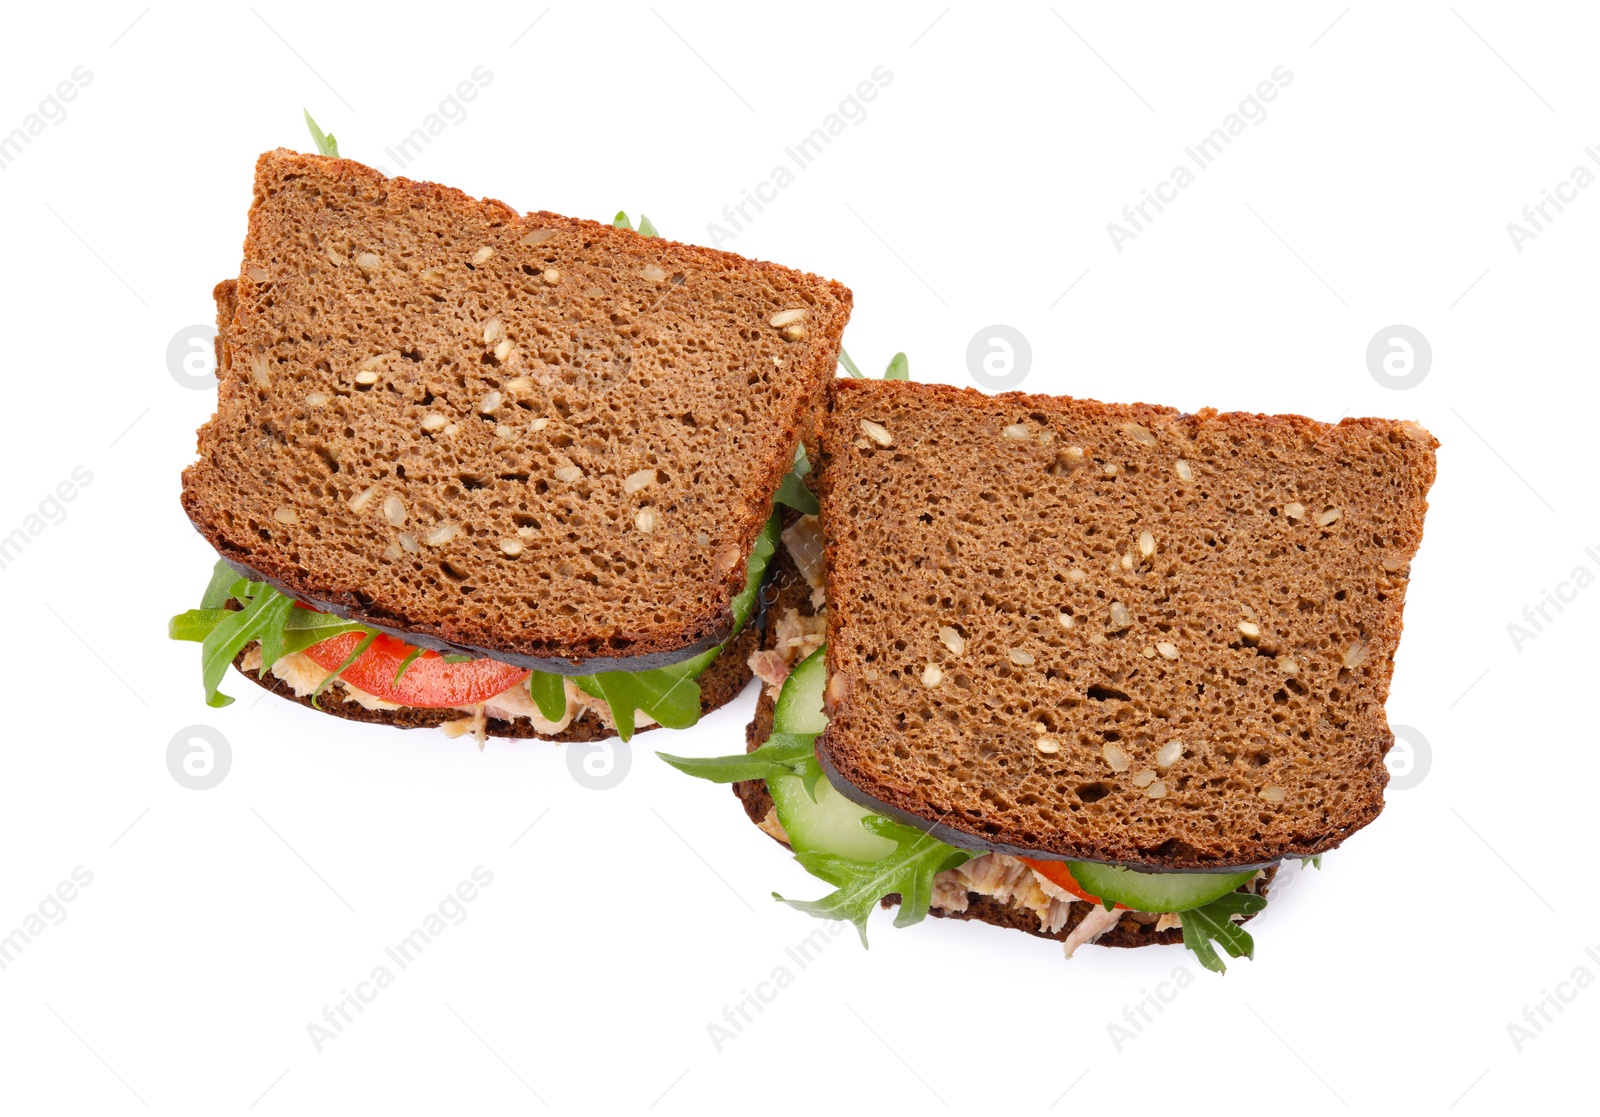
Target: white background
{"points": [[977, 190]]}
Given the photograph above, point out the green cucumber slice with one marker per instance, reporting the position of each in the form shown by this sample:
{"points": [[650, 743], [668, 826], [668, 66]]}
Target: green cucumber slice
{"points": [[1155, 892], [830, 825], [799, 708]]}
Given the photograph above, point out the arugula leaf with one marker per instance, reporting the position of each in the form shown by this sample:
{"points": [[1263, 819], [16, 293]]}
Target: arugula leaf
{"points": [[670, 695], [793, 492], [1314, 862], [343, 667], [265, 613], [646, 227], [220, 588], [303, 628], [411, 657], [859, 885], [899, 367], [196, 624], [265, 616], [549, 693], [784, 754], [1214, 921], [326, 144]]}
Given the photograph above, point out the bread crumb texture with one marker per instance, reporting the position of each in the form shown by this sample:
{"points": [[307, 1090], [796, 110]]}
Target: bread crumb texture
{"points": [[531, 434], [1156, 637]]}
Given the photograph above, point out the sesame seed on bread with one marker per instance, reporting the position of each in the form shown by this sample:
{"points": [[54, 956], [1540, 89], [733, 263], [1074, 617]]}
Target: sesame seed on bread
{"points": [[534, 437], [1158, 639]]}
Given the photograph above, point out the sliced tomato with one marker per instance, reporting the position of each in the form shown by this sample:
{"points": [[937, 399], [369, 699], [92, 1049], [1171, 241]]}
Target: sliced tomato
{"points": [[1057, 873], [428, 681]]}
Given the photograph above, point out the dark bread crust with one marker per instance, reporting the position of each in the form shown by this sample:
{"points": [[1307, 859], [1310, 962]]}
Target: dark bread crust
{"points": [[231, 506], [986, 527], [720, 684]]}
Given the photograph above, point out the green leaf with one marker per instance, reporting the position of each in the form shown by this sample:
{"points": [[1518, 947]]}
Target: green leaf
{"points": [[549, 693], [899, 368], [1214, 922], [646, 229], [196, 624], [266, 613], [849, 365], [304, 627], [265, 616], [621, 221], [793, 492], [859, 885], [411, 657], [343, 667], [452, 657], [1314, 862], [220, 588], [670, 695], [326, 144], [784, 754], [802, 464]]}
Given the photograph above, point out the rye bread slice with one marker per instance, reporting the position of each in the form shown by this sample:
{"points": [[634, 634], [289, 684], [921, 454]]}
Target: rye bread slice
{"points": [[720, 684], [792, 592], [1234, 583], [430, 409]]}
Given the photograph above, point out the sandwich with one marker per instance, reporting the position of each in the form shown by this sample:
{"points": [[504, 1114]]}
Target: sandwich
{"points": [[1089, 671], [505, 474]]}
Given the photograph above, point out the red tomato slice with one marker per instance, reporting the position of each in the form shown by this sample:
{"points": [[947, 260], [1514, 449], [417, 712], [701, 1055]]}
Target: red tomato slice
{"points": [[429, 681], [1056, 873]]}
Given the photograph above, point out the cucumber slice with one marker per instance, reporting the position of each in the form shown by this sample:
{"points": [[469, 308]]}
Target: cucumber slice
{"points": [[799, 708], [1156, 892], [832, 824]]}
